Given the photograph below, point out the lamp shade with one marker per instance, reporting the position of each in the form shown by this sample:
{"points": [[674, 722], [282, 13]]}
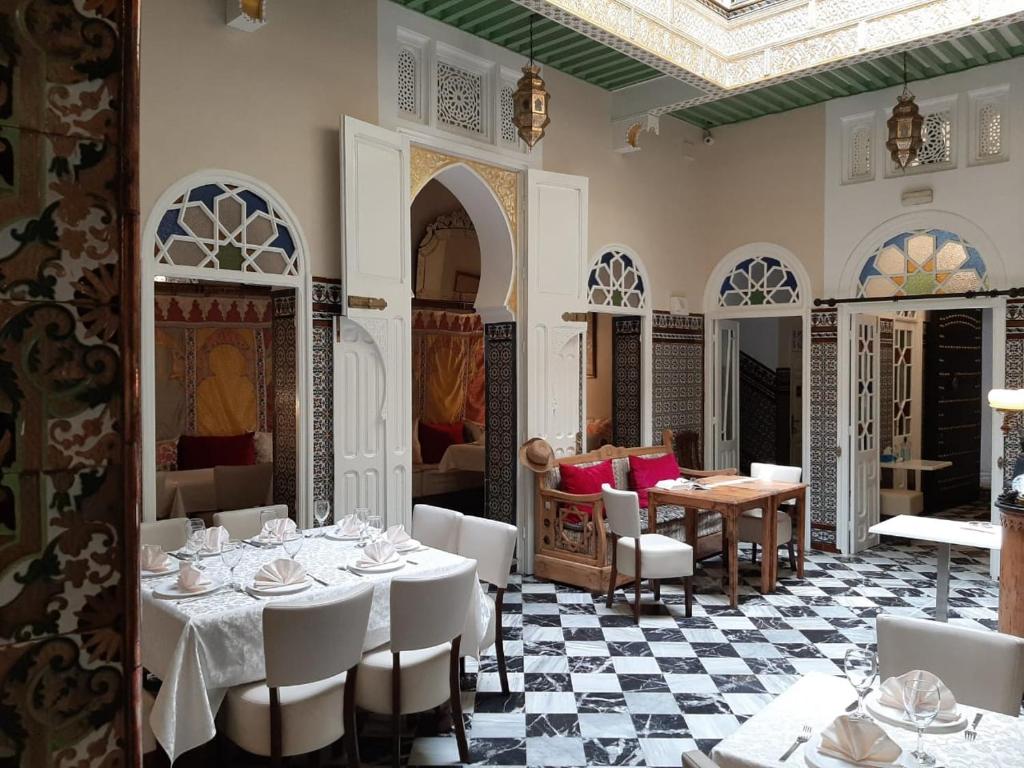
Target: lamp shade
{"points": [[1006, 399]]}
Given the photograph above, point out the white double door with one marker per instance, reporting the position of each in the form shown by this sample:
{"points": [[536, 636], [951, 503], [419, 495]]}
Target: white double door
{"points": [[863, 430]]}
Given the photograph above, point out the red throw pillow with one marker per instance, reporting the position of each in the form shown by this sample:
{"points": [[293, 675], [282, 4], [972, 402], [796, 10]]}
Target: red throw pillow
{"points": [[201, 452], [644, 473], [586, 480], [435, 439]]}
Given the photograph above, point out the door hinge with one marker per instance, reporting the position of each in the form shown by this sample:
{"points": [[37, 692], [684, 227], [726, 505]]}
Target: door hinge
{"points": [[839, 451], [366, 302], [574, 317]]}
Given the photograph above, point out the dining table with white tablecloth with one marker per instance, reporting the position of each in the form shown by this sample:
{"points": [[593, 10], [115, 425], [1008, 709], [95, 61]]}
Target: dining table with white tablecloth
{"points": [[201, 646]]}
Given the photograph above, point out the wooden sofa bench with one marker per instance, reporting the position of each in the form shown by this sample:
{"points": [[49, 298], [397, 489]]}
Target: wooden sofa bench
{"points": [[572, 545]]}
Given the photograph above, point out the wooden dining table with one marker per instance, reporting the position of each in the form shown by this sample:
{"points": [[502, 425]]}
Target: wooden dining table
{"points": [[731, 496]]}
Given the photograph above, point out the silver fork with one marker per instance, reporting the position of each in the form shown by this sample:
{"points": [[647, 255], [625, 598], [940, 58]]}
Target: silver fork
{"points": [[804, 737], [972, 733]]}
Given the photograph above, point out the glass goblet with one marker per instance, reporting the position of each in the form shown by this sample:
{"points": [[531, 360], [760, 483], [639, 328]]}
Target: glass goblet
{"points": [[231, 555], [195, 539], [921, 702], [861, 667], [292, 543], [321, 511]]}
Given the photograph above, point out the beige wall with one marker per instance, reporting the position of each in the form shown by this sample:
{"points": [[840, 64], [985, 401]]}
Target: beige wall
{"points": [[265, 103]]}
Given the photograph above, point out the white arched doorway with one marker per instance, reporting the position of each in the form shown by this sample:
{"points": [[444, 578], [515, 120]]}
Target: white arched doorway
{"points": [[226, 227]]}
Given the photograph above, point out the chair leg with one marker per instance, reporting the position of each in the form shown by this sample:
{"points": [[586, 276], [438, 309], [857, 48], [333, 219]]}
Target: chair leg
{"points": [[348, 716], [615, 571], [455, 692], [688, 585], [499, 641], [636, 583], [396, 707], [753, 553], [657, 589], [276, 747], [792, 554]]}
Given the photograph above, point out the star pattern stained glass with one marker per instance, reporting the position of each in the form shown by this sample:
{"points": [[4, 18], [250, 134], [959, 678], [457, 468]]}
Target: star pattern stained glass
{"points": [[226, 226], [923, 262], [615, 281], [759, 280]]}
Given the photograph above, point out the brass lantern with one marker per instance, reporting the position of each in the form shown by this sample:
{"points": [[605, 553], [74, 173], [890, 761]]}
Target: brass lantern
{"points": [[904, 126], [531, 101]]}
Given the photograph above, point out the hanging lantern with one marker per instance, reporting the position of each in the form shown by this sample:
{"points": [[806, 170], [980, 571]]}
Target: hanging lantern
{"points": [[531, 101], [904, 126]]}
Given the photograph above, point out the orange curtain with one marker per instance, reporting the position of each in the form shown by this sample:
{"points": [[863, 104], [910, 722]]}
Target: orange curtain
{"points": [[448, 367]]}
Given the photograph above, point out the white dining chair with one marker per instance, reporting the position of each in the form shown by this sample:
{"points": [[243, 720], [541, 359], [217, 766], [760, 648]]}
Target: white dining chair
{"points": [[749, 525], [695, 759], [419, 668], [650, 556], [170, 535], [436, 527], [311, 653], [247, 523], [491, 543], [982, 669]]}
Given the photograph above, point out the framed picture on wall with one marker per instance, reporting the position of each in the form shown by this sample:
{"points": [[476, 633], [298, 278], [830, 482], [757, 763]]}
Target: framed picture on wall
{"points": [[591, 345]]}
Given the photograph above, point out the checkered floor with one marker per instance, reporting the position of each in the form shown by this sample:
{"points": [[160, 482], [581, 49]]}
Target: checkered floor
{"points": [[591, 688]]}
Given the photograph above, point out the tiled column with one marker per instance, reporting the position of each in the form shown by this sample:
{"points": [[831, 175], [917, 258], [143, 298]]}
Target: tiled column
{"points": [[502, 422], [823, 475], [1014, 379], [285, 437], [678, 387], [626, 381], [326, 306]]}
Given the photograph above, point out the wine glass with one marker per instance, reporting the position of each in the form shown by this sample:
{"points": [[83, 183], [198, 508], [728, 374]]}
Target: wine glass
{"points": [[921, 702], [362, 514], [195, 539], [375, 523], [861, 667], [292, 543], [231, 555], [321, 511]]}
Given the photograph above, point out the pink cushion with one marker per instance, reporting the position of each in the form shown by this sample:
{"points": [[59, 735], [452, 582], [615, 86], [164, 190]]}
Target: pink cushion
{"points": [[201, 452], [644, 473], [585, 480], [435, 439]]}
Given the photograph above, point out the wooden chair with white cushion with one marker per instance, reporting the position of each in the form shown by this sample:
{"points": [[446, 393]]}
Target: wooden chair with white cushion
{"points": [[436, 527], [695, 759], [169, 534], [247, 523], [311, 654], [749, 524], [419, 668], [648, 556], [982, 669], [491, 544]]}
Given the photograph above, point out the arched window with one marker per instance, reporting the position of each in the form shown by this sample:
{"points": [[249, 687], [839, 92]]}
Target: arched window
{"points": [[922, 262], [759, 280], [616, 281], [226, 226]]}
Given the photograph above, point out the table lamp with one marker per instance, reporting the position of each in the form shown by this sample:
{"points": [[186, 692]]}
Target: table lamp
{"points": [[1009, 402]]}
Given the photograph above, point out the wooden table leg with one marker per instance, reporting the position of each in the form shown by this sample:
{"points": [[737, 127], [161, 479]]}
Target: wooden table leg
{"points": [[770, 544], [690, 516], [730, 523], [801, 521]]}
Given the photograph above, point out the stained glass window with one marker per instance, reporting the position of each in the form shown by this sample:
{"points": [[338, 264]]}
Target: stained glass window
{"points": [[226, 226], [923, 262], [615, 281], [759, 280]]}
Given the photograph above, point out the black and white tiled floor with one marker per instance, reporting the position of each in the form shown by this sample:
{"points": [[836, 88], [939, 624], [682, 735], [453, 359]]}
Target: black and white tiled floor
{"points": [[591, 688]]}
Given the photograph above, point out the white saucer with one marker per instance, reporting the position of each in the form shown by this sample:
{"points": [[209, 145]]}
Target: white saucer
{"points": [[173, 568], [815, 759], [899, 718], [286, 589], [173, 592], [333, 535], [382, 568]]}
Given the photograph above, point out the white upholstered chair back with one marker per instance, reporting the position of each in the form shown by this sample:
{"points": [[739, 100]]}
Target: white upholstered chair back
{"points": [[776, 473], [622, 509], [170, 534], [246, 523], [428, 612], [306, 642], [982, 669], [491, 543], [436, 527]]}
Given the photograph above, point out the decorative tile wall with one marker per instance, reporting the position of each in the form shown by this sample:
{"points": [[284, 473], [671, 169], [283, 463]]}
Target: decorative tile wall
{"points": [[1014, 379], [285, 425], [677, 397], [502, 422], [626, 381], [823, 476], [326, 306], [66, 664]]}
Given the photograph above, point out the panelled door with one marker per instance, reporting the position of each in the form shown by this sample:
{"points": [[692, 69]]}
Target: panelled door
{"points": [[864, 432], [727, 394], [373, 401]]}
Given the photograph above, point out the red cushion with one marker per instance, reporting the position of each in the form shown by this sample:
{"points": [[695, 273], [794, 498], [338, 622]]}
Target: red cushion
{"points": [[644, 473], [586, 480], [200, 452], [435, 439]]}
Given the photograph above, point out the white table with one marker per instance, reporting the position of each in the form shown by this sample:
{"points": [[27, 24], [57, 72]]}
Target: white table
{"points": [[945, 533], [817, 699], [200, 647], [915, 465]]}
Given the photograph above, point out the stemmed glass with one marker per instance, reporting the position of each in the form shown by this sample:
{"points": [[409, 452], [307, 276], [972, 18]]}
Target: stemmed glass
{"points": [[362, 514], [321, 511], [376, 525], [921, 702], [861, 667], [231, 555], [292, 544], [196, 538]]}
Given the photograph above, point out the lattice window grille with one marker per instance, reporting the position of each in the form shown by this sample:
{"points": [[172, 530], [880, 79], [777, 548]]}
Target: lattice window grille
{"points": [[408, 83], [757, 281], [866, 394], [990, 134], [460, 95], [989, 125], [903, 371], [506, 114], [226, 226], [860, 153], [615, 281]]}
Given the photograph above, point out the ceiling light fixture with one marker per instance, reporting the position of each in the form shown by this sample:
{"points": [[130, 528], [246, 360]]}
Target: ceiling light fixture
{"points": [[904, 126], [531, 101]]}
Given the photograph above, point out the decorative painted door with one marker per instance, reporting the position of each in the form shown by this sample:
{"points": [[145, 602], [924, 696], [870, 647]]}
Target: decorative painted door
{"points": [[864, 431], [727, 395], [377, 282]]}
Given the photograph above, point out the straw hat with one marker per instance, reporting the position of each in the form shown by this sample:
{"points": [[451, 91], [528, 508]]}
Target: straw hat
{"points": [[536, 455]]}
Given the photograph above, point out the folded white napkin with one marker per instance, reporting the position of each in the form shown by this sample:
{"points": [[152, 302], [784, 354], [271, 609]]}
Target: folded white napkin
{"points": [[396, 535], [191, 579], [859, 741], [279, 573], [277, 529], [216, 538], [350, 525], [153, 558], [377, 553], [891, 694]]}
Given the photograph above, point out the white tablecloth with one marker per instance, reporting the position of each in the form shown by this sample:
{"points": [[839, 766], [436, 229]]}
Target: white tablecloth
{"points": [[201, 647], [817, 699]]}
